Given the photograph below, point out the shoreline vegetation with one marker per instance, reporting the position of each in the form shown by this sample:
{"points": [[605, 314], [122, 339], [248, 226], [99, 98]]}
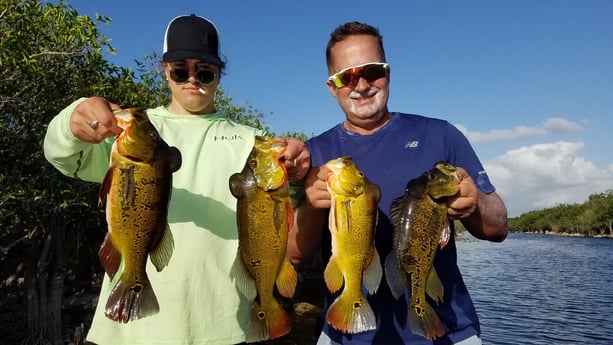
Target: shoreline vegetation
{"points": [[567, 234]]}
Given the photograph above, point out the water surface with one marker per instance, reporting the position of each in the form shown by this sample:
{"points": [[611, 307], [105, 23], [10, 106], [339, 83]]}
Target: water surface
{"points": [[541, 289]]}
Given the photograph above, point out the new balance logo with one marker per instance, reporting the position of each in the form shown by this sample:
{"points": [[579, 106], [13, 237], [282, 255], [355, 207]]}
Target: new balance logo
{"points": [[411, 144]]}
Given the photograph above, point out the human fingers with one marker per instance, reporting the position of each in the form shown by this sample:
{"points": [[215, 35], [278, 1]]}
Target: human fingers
{"points": [[93, 120], [464, 203], [297, 158], [316, 189]]}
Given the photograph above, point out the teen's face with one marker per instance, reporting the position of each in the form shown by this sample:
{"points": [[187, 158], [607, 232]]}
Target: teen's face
{"points": [[365, 103], [187, 94]]}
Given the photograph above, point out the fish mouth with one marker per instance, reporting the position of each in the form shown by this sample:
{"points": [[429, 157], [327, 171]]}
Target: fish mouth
{"points": [[124, 117]]}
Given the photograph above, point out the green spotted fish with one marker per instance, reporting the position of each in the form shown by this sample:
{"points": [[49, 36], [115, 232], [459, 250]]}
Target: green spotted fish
{"points": [[420, 227], [354, 261], [136, 190], [264, 216]]}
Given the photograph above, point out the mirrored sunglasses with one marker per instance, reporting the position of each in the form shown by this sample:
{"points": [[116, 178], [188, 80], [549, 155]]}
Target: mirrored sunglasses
{"points": [[350, 76], [204, 76]]}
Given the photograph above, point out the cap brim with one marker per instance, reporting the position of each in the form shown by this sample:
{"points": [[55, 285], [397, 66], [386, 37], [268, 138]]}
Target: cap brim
{"points": [[179, 55]]}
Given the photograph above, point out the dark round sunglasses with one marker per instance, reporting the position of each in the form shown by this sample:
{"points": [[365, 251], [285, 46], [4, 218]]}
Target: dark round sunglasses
{"points": [[204, 76]]}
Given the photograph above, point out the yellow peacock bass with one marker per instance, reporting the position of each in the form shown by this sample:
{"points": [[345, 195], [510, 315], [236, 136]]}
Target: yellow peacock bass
{"points": [[264, 216], [136, 189], [354, 260]]}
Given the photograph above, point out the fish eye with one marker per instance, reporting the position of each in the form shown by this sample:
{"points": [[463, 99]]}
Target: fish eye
{"points": [[154, 135], [253, 163], [360, 174]]}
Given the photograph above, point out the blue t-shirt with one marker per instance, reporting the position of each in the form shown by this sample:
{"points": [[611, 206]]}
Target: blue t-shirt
{"points": [[406, 147]]}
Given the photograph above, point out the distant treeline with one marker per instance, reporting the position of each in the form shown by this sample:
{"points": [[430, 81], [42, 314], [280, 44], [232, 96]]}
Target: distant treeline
{"points": [[591, 218]]}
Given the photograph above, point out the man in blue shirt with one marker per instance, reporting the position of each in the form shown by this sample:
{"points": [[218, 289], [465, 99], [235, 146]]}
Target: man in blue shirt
{"points": [[391, 149]]}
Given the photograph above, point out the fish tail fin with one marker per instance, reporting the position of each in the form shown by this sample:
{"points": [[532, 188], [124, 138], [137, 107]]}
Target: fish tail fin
{"points": [[267, 323], [110, 258], [434, 287], [351, 315], [243, 279], [287, 279], [130, 300], [160, 255], [429, 327], [373, 273], [333, 276]]}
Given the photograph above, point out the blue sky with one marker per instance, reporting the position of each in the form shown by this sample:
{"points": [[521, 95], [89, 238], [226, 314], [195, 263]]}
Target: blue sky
{"points": [[530, 82]]}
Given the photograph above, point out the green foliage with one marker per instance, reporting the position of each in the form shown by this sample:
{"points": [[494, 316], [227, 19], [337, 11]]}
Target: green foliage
{"points": [[593, 217]]}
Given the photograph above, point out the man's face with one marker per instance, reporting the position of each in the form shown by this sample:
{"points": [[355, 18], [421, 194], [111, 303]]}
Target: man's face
{"points": [[363, 101], [187, 94]]}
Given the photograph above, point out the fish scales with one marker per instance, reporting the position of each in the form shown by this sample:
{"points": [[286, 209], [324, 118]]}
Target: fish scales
{"points": [[264, 217], [136, 190], [420, 227], [354, 261]]}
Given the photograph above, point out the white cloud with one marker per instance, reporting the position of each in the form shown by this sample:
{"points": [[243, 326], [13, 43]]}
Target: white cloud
{"points": [[545, 175], [551, 125], [557, 124]]}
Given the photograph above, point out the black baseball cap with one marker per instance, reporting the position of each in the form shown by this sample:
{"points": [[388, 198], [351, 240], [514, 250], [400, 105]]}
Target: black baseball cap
{"points": [[191, 37]]}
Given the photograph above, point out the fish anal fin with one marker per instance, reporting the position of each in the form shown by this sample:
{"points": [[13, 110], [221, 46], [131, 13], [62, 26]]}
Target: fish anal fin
{"points": [[110, 257], [162, 252], [394, 276], [373, 273], [434, 287], [333, 275], [243, 279], [287, 279]]}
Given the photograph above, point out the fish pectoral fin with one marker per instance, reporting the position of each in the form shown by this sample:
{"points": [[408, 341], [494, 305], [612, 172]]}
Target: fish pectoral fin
{"points": [[445, 234], [242, 278], [394, 275], [287, 279], [373, 273], [161, 254], [110, 258], [333, 275], [174, 159], [105, 186], [434, 287], [236, 185]]}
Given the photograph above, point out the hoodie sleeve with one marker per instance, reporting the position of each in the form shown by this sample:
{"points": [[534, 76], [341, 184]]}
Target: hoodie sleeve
{"points": [[71, 156]]}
